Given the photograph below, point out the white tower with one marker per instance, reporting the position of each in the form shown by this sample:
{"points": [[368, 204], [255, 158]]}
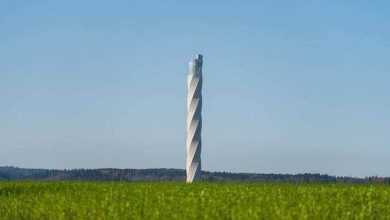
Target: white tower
{"points": [[194, 119]]}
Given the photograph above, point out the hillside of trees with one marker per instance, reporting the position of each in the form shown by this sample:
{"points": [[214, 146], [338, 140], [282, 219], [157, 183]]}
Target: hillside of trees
{"points": [[141, 175]]}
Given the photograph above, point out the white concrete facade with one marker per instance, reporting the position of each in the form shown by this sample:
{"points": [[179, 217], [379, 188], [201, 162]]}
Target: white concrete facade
{"points": [[194, 119]]}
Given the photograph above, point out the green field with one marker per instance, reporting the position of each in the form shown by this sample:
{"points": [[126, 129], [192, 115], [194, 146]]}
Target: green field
{"points": [[92, 200]]}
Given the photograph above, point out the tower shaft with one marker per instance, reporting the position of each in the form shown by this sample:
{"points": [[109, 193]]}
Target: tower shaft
{"points": [[194, 119]]}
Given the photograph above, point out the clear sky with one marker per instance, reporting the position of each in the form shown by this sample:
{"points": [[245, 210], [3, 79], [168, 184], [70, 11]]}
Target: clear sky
{"points": [[289, 86]]}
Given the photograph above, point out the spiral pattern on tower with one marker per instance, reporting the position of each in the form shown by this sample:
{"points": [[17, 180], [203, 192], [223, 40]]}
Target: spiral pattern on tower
{"points": [[194, 119]]}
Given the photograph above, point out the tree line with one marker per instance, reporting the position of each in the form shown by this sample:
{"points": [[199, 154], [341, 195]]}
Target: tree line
{"points": [[142, 175]]}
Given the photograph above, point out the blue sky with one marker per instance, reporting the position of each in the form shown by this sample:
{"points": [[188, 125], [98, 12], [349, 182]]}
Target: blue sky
{"points": [[289, 86]]}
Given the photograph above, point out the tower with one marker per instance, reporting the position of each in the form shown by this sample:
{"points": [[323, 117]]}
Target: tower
{"points": [[194, 119]]}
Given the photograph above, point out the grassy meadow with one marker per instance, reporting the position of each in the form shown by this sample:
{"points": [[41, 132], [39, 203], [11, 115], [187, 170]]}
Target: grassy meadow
{"points": [[105, 200]]}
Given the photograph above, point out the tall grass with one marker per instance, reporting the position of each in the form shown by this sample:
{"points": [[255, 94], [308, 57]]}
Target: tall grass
{"points": [[93, 200]]}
